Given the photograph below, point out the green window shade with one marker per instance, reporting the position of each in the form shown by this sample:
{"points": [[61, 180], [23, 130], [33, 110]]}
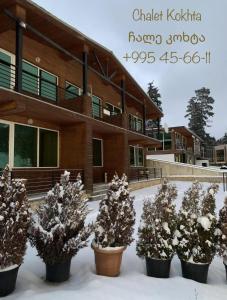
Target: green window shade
{"points": [[97, 153], [96, 107], [48, 148], [25, 146], [5, 70], [132, 156], [139, 157], [30, 82], [71, 91], [48, 85], [4, 145]]}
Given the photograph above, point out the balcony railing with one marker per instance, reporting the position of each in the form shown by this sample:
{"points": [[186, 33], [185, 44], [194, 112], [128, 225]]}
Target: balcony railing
{"points": [[40, 88], [143, 173], [41, 180]]}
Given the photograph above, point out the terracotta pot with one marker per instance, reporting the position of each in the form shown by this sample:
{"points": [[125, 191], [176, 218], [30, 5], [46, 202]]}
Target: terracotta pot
{"points": [[108, 261]]}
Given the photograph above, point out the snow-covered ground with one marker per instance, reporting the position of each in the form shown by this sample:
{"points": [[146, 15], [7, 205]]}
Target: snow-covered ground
{"points": [[131, 284]]}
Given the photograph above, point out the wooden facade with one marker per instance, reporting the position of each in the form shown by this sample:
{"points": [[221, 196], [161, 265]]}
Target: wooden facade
{"points": [[55, 79]]}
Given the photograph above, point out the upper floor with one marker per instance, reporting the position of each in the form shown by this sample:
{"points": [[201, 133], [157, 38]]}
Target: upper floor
{"points": [[44, 58]]}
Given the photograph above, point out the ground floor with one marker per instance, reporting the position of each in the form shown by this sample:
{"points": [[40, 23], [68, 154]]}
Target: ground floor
{"points": [[132, 282]]}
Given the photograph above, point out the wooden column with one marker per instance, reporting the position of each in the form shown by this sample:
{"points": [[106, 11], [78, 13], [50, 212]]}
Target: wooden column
{"points": [[85, 71], [144, 117], [123, 95]]}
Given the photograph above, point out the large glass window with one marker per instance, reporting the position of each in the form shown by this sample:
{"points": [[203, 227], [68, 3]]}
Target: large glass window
{"points": [[113, 110], [220, 154], [135, 123], [30, 79], [4, 145], [48, 145], [25, 146], [136, 156], [97, 153], [5, 70], [96, 107], [71, 91], [48, 85]]}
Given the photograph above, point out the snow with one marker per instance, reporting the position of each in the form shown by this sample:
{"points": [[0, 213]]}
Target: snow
{"points": [[132, 284], [205, 223], [9, 268]]}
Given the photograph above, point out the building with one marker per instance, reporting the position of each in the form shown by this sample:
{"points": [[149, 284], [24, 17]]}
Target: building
{"points": [[66, 102], [179, 144], [220, 154]]}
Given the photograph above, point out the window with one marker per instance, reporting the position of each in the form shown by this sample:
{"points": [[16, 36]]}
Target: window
{"points": [[113, 110], [136, 156], [220, 154], [48, 145], [97, 153], [71, 91], [4, 145], [135, 123], [25, 146], [38, 81], [48, 86], [30, 79], [96, 107], [5, 70]]}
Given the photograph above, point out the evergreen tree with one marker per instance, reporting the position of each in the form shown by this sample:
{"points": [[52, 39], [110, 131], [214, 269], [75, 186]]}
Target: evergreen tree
{"points": [[14, 220], [222, 140], [116, 217], [58, 230], [154, 94], [199, 111], [196, 230], [158, 224], [222, 231]]}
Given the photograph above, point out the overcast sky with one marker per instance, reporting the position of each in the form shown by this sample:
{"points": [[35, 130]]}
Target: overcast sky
{"points": [[109, 22]]}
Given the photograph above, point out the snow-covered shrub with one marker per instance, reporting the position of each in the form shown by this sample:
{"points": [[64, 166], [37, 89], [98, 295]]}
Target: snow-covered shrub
{"points": [[58, 229], [196, 230], [116, 217], [158, 224], [222, 231], [14, 220]]}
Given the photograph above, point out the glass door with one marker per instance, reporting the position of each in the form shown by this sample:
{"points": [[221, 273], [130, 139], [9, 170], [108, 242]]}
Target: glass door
{"points": [[4, 145]]}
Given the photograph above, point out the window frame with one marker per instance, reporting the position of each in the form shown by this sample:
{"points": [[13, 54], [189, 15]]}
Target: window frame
{"points": [[136, 159], [12, 144], [74, 85], [100, 107], [12, 69], [101, 166], [113, 107], [136, 123]]}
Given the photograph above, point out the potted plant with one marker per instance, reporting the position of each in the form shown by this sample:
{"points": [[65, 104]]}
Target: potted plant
{"points": [[156, 241], [58, 229], [14, 222], [196, 232], [113, 227], [222, 234]]}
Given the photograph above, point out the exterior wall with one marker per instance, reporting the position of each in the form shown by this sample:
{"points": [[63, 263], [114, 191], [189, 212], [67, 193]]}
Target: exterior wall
{"points": [[166, 157]]}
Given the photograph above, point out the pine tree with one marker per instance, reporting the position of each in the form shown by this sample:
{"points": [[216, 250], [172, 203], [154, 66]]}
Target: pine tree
{"points": [[58, 230], [222, 231], [14, 220], [116, 217], [199, 111], [222, 140], [158, 225], [154, 94], [196, 230]]}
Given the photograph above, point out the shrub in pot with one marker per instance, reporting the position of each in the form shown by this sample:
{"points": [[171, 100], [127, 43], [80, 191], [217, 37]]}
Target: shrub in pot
{"points": [[58, 229], [113, 228], [196, 232], [14, 222], [156, 241], [222, 233]]}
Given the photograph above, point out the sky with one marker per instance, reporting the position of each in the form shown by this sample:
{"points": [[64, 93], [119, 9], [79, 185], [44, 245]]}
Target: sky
{"points": [[109, 23]]}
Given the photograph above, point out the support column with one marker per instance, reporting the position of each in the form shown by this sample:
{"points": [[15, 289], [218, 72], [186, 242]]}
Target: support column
{"points": [[85, 71], [144, 117], [123, 95], [19, 55]]}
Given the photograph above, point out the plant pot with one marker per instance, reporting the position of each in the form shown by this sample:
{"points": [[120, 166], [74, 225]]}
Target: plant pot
{"points": [[225, 269], [58, 272], [158, 268], [8, 278], [197, 272], [108, 261]]}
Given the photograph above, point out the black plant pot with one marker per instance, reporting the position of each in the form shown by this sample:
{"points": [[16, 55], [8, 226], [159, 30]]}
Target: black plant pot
{"points": [[8, 281], [197, 272], [58, 272], [225, 269], [158, 268]]}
